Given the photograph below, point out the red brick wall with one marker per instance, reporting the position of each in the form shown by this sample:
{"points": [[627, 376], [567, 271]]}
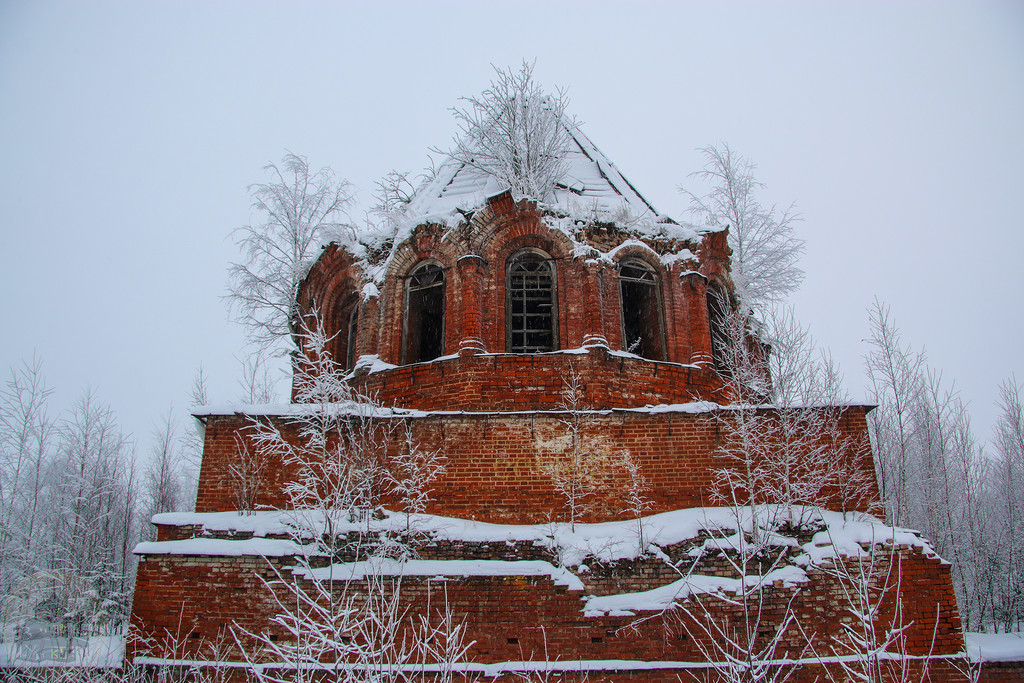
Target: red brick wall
{"points": [[494, 462], [587, 293], [536, 381], [998, 672], [199, 599]]}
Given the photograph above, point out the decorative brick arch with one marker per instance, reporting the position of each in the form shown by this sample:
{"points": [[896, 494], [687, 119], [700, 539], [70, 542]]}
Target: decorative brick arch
{"points": [[659, 289], [426, 244]]}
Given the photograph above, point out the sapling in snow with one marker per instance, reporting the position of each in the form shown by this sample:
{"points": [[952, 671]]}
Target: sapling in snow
{"points": [[515, 132]]}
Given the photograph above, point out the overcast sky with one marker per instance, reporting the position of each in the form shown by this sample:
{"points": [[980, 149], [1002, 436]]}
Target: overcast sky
{"points": [[129, 133]]}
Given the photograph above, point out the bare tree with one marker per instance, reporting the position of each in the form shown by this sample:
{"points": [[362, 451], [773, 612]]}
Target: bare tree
{"points": [[578, 471], [163, 475], [635, 496], [346, 621], [1009, 490], [257, 386], [300, 211], [872, 644], [765, 247], [784, 442], [410, 475], [26, 434], [92, 494], [896, 374], [515, 132]]}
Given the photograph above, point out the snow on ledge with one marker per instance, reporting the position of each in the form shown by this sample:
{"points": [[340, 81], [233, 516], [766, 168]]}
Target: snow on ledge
{"points": [[995, 647], [664, 597], [215, 547], [443, 569], [496, 669], [606, 541]]}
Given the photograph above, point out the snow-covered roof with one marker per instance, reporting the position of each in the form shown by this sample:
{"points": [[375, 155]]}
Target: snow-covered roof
{"points": [[592, 184]]}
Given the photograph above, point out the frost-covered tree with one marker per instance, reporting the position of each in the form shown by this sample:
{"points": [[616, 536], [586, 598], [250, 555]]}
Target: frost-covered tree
{"points": [[765, 247], [578, 471], [26, 435], [164, 475], [783, 439], [872, 644], [935, 477], [1008, 491], [93, 508], [346, 620], [299, 211], [515, 132], [896, 373]]}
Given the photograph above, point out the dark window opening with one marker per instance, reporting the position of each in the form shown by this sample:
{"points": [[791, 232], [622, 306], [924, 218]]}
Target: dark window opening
{"points": [[642, 330], [718, 316], [345, 341], [424, 315], [530, 303]]}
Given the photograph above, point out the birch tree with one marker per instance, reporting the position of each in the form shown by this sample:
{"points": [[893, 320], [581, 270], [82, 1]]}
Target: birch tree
{"points": [[1008, 490], [26, 435], [515, 132], [299, 211], [164, 475], [765, 247], [896, 374]]}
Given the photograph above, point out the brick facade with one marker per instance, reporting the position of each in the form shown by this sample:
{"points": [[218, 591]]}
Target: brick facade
{"points": [[494, 461], [495, 417]]}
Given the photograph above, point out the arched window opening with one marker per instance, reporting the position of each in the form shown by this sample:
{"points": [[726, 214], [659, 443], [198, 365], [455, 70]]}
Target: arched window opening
{"points": [[530, 303], [718, 321], [345, 340], [424, 315], [642, 329]]}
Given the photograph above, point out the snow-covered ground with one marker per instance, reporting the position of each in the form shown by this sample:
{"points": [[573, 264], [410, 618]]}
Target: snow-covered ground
{"points": [[995, 647], [92, 651]]}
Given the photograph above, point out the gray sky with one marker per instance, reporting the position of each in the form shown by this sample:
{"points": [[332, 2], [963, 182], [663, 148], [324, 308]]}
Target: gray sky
{"points": [[130, 131]]}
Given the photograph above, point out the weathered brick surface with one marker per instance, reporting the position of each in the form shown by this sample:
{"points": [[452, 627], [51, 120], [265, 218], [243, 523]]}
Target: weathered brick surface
{"points": [[998, 672], [587, 305], [199, 600], [499, 429], [495, 461]]}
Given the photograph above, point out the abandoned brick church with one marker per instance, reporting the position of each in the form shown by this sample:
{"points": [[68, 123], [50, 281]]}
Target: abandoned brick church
{"points": [[466, 329]]}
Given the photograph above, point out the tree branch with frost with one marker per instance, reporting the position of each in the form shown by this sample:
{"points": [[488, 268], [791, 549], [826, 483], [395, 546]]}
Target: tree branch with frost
{"points": [[300, 211], [897, 383], [577, 473], [410, 475], [635, 495], [766, 249], [872, 644], [743, 632], [784, 438], [515, 132]]}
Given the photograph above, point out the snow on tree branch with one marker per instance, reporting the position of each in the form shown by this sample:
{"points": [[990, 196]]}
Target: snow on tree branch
{"points": [[765, 247], [515, 132], [300, 211]]}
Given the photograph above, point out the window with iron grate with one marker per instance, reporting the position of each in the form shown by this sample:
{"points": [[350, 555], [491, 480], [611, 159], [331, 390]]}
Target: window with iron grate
{"points": [[530, 309]]}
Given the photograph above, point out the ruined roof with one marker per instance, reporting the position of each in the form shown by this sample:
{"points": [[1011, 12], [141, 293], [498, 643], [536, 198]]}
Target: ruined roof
{"points": [[592, 185]]}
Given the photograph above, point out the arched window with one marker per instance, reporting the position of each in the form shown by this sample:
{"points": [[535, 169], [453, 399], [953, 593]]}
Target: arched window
{"points": [[718, 321], [424, 314], [530, 315], [642, 329], [345, 340]]}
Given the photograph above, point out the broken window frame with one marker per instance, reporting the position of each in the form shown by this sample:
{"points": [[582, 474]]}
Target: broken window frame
{"points": [[425, 281], [347, 334], [719, 310], [641, 280]]}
